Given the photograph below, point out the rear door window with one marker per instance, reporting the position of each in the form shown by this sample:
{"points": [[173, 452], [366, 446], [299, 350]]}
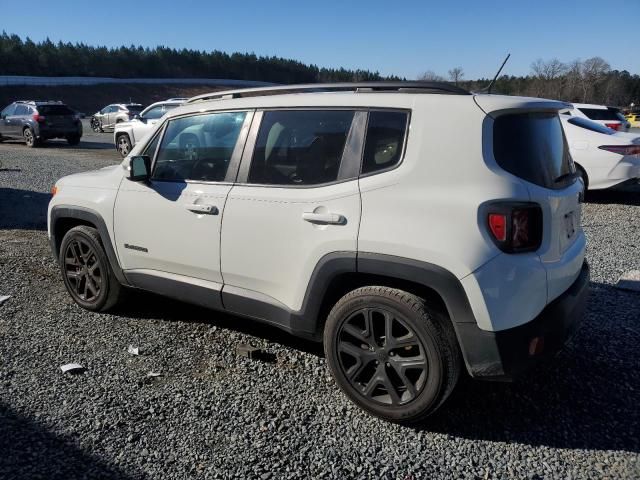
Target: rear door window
{"points": [[385, 140], [8, 110], [299, 148], [532, 146]]}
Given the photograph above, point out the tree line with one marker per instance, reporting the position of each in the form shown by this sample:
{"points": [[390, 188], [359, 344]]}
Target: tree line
{"points": [[580, 81], [46, 58]]}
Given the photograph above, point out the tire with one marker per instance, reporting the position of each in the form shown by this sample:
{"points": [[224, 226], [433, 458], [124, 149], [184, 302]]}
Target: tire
{"points": [[86, 270], [96, 126], [403, 381], [73, 139], [30, 138], [584, 176], [123, 145]]}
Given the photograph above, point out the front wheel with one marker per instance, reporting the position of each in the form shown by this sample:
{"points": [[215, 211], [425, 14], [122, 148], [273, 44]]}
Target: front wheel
{"points": [[86, 270], [95, 125], [123, 144], [390, 354]]}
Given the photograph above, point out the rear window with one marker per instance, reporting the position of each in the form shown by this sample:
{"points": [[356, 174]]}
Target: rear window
{"points": [[532, 146], [599, 114], [135, 108], [589, 125], [54, 110]]}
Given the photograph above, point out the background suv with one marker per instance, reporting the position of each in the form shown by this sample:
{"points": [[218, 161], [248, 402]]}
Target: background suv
{"points": [[109, 116], [127, 134], [352, 215], [38, 121]]}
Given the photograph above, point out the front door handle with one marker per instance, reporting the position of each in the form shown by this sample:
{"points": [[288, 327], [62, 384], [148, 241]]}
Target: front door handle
{"points": [[324, 218], [202, 208]]}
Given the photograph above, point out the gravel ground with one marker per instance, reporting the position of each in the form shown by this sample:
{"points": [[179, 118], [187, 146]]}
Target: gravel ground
{"points": [[214, 414]]}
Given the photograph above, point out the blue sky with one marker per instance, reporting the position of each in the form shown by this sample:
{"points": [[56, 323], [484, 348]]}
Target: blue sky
{"points": [[403, 38]]}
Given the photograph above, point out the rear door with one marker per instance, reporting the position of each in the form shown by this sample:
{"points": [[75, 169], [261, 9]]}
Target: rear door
{"points": [[296, 201]]}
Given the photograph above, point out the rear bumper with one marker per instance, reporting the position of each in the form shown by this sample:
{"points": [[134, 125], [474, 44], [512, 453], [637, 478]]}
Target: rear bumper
{"points": [[503, 355], [58, 132]]}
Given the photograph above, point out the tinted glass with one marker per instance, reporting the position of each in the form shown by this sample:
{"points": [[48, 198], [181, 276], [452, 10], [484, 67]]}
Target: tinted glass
{"points": [[532, 146], [55, 110], [135, 108], [300, 147], [198, 147], [150, 149], [599, 114], [8, 110], [589, 125], [21, 110], [385, 140], [159, 111]]}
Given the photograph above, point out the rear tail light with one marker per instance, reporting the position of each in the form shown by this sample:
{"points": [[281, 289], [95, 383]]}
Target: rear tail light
{"points": [[622, 149], [38, 118], [613, 126], [515, 227]]}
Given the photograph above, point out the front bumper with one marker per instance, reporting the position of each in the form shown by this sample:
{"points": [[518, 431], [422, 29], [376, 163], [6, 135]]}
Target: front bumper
{"points": [[503, 355]]}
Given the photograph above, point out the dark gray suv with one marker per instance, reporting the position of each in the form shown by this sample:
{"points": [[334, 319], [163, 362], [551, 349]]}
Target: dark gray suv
{"points": [[37, 121]]}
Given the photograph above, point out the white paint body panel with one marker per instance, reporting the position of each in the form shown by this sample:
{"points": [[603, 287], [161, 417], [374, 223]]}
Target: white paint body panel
{"points": [[605, 169]]}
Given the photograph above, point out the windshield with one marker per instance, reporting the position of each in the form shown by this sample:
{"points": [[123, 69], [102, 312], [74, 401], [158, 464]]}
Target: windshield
{"points": [[589, 125], [532, 146]]}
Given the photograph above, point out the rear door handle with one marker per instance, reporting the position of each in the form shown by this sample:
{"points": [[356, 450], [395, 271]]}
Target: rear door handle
{"points": [[202, 208], [324, 218]]}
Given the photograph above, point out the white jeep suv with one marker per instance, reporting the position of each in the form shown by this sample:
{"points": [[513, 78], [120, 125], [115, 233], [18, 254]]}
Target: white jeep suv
{"points": [[127, 134], [352, 214]]}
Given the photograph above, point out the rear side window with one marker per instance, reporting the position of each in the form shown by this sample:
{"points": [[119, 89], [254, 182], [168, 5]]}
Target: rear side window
{"points": [[599, 114], [589, 125], [54, 110], [198, 148], [21, 110], [385, 140], [300, 147], [532, 146]]}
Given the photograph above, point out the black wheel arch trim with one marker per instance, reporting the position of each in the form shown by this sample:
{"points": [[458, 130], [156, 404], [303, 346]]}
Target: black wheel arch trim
{"points": [[61, 212]]}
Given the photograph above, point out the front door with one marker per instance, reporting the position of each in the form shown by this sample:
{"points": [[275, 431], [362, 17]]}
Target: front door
{"points": [[296, 202], [167, 230]]}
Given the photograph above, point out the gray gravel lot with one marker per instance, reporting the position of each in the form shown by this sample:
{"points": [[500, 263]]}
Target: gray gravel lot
{"points": [[214, 414]]}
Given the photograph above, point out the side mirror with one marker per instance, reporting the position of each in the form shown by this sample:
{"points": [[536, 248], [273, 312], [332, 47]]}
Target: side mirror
{"points": [[139, 168]]}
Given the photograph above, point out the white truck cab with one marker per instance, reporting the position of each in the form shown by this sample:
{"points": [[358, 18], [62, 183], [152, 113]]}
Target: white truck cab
{"points": [[350, 214]]}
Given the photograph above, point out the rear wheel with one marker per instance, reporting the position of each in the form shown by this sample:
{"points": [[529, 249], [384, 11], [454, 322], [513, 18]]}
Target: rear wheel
{"points": [[86, 270], [123, 144], [390, 354], [30, 138], [73, 139]]}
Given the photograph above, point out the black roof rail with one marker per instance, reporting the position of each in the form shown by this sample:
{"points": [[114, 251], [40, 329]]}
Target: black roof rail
{"points": [[402, 87]]}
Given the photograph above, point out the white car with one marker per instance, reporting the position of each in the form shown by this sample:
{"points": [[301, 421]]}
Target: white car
{"points": [[609, 117], [604, 157], [349, 214], [127, 134]]}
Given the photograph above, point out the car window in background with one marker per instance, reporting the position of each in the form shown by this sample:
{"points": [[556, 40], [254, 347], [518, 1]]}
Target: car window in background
{"points": [[532, 146], [134, 108], [55, 110], [385, 140], [21, 110], [599, 114], [198, 147], [589, 125], [159, 111], [300, 147]]}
